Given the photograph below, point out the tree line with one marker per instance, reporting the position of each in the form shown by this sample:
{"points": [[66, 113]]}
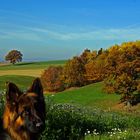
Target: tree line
{"points": [[118, 67]]}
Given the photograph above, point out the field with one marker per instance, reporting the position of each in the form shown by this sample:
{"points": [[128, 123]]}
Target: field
{"points": [[22, 81], [91, 96], [23, 73], [27, 69]]}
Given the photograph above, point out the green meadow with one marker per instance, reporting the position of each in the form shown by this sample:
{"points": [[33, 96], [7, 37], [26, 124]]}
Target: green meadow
{"points": [[31, 65], [33, 69], [23, 73], [21, 81], [91, 97]]}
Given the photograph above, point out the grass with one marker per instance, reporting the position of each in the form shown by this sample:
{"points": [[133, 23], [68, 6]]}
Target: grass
{"points": [[21, 81], [28, 72], [129, 134], [91, 95], [31, 65], [28, 69]]}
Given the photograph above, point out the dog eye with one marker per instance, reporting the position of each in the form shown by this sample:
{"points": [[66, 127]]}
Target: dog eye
{"points": [[36, 105], [27, 110]]}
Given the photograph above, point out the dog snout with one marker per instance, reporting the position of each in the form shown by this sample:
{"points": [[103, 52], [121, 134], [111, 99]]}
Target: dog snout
{"points": [[38, 123]]}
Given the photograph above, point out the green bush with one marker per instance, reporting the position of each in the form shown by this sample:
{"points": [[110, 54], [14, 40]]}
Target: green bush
{"points": [[64, 121], [2, 101], [70, 122], [116, 134]]}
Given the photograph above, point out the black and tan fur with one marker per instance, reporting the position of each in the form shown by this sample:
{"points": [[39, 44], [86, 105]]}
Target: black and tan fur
{"points": [[24, 114]]}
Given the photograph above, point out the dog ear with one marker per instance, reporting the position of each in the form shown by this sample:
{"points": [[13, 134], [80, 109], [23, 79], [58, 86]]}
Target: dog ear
{"points": [[12, 92], [36, 87]]}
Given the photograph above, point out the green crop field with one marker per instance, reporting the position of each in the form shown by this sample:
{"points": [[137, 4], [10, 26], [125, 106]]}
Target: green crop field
{"points": [[31, 65], [34, 69]]}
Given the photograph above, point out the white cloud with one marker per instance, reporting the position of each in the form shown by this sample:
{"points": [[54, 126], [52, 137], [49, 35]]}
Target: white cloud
{"points": [[131, 32], [97, 34], [19, 35], [36, 33]]}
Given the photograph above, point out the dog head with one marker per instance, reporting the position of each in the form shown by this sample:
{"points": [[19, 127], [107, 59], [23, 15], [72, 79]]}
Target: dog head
{"points": [[27, 110]]}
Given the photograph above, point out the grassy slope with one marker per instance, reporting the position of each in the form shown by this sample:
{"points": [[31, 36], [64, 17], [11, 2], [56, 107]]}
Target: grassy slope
{"points": [[21, 81], [28, 69], [23, 73], [32, 65], [91, 95]]}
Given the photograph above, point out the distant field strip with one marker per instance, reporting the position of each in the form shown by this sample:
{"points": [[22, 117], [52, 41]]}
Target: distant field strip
{"points": [[28, 68], [28, 72]]}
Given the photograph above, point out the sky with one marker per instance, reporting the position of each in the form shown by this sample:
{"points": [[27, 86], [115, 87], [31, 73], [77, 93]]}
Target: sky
{"points": [[60, 29]]}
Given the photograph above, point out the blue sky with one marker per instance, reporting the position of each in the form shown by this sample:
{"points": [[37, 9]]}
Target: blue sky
{"points": [[60, 29]]}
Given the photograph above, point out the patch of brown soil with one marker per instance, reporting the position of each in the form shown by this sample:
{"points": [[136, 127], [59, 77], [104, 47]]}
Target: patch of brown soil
{"points": [[119, 106], [3, 64], [127, 109]]}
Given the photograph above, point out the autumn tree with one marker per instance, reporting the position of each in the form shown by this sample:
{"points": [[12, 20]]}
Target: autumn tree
{"points": [[51, 79], [100, 51], [84, 56], [87, 56], [74, 73], [14, 56], [95, 68], [124, 70]]}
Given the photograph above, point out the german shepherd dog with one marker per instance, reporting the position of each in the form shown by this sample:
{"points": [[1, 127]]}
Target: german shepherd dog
{"points": [[24, 114]]}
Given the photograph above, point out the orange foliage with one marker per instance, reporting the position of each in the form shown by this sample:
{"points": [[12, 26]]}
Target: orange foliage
{"points": [[51, 79]]}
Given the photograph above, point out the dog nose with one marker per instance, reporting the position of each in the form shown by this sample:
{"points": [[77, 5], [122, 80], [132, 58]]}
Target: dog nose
{"points": [[39, 124]]}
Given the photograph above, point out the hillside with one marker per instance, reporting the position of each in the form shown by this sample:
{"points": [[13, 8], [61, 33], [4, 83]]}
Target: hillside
{"points": [[28, 69], [22, 81], [91, 95]]}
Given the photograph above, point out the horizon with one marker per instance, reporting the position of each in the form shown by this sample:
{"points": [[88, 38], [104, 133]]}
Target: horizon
{"points": [[53, 30]]}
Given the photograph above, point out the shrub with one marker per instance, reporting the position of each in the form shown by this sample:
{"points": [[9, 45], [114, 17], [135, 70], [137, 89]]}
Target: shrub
{"points": [[67, 121], [51, 79], [116, 134], [72, 122], [2, 102], [74, 73]]}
